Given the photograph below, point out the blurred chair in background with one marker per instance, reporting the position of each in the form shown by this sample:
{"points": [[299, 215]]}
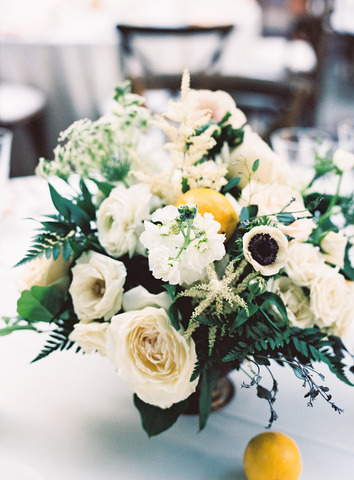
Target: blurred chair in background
{"points": [[154, 57], [23, 111], [268, 104], [306, 21]]}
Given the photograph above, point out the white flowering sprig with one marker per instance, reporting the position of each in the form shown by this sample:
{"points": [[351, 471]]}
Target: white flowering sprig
{"points": [[181, 243], [187, 148], [100, 147], [218, 297]]}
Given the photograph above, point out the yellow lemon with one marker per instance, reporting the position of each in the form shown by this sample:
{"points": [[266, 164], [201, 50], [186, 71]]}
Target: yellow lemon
{"points": [[211, 201], [272, 456]]}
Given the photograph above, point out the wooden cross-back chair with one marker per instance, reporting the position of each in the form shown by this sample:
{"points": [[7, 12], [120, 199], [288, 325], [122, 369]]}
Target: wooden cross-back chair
{"points": [[267, 104], [148, 77]]}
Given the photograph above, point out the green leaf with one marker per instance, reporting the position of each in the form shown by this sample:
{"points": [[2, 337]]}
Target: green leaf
{"points": [[244, 215], [263, 393], [70, 211], [7, 330], [252, 211], [104, 187], [173, 315], [231, 184], [185, 185], [274, 299], [242, 316], [286, 218], [255, 165], [348, 270], [171, 289], [156, 420], [40, 304], [207, 383]]}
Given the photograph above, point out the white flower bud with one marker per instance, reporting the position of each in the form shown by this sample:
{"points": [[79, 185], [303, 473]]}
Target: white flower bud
{"points": [[343, 160]]}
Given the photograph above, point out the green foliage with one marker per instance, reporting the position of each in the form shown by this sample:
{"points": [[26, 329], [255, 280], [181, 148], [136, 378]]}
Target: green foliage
{"points": [[40, 304], [207, 384], [156, 420], [225, 133], [59, 337], [48, 244], [255, 165]]}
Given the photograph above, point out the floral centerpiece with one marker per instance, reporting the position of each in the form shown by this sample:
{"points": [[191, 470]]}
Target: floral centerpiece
{"points": [[181, 263]]}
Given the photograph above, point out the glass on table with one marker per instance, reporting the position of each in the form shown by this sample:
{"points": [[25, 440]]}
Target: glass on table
{"points": [[5, 156], [299, 145], [345, 129]]}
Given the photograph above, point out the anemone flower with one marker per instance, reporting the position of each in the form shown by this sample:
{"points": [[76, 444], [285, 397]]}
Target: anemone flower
{"points": [[266, 249]]}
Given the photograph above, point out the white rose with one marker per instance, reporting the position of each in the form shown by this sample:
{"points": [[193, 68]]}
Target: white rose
{"points": [[219, 103], [97, 286], [296, 302], [138, 298], [327, 296], [44, 272], [120, 219], [333, 247], [303, 264], [343, 160], [153, 358], [271, 167], [265, 248], [90, 336], [345, 319], [272, 198]]}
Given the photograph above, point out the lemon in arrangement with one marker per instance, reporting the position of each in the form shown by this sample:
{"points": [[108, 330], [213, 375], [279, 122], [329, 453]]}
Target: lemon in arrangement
{"points": [[272, 456], [211, 201]]}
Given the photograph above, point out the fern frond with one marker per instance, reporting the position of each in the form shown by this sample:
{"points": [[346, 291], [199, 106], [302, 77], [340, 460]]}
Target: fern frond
{"points": [[48, 244]]}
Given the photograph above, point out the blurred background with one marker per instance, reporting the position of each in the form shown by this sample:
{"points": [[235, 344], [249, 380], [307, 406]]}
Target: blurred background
{"points": [[287, 63]]}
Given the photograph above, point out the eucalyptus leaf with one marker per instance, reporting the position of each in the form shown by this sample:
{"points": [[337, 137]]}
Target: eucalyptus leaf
{"points": [[255, 165], [244, 215], [286, 218], [231, 184]]}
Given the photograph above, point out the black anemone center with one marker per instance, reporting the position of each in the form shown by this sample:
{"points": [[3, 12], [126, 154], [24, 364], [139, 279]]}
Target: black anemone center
{"points": [[263, 248]]}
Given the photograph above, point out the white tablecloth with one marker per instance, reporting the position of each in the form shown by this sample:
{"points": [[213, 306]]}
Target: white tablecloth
{"points": [[69, 416]]}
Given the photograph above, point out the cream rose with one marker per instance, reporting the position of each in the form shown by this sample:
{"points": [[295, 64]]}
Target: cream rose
{"points": [[296, 302], [327, 296], [219, 103], [272, 198], [343, 160], [265, 248], [44, 272], [333, 247], [345, 319], [303, 264], [120, 219], [153, 358], [90, 336], [97, 286], [271, 167]]}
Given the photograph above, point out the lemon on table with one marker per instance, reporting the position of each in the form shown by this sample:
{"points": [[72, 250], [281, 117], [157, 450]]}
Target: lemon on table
{"points": [[211, 201], [272, 456]]}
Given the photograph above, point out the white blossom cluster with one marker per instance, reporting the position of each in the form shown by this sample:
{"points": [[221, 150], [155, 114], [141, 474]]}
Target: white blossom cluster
{"points": [[172, 257]]}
